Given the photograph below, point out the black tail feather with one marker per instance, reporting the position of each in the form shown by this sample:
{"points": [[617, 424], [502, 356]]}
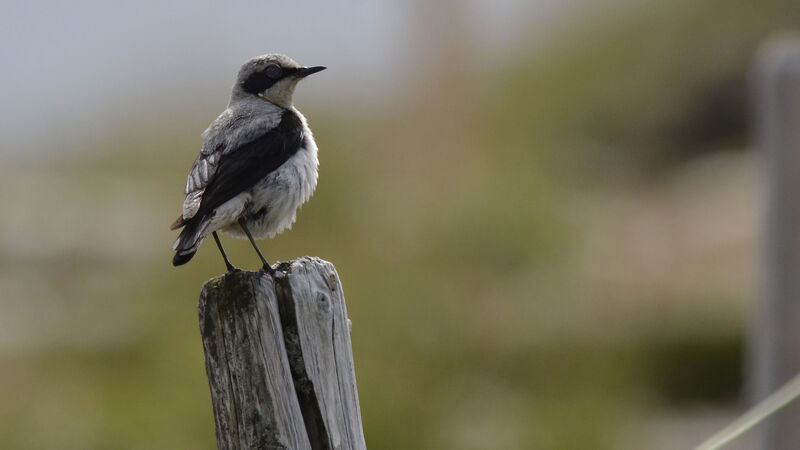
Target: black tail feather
{"points": [[182, 258], [188, 241]]}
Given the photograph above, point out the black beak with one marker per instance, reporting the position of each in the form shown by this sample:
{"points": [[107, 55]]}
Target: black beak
{"points": [[306, 71]]}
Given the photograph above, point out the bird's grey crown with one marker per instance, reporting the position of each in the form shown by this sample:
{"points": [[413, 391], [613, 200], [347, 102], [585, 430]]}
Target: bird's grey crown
{"points": [[259, 63]]}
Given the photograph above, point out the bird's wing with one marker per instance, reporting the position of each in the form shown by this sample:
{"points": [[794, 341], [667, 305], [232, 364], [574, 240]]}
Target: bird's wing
{"points": [[200, 175], [223, 173]]}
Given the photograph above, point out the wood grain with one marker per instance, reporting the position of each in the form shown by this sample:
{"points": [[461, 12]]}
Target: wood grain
{"points": [[279, 359]]}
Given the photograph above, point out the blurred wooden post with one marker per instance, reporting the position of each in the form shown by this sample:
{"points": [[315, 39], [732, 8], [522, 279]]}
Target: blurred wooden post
{"points": [[279, 361], [775, 351]]}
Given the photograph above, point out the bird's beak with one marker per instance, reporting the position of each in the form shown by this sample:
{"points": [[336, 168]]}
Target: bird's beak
{"points": [[306, 71]]}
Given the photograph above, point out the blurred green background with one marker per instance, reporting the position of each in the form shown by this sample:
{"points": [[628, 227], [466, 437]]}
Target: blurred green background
{"points": [[545, 220]]}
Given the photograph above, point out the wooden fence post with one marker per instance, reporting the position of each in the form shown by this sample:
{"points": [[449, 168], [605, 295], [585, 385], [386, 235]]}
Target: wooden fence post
{"points": [[775, 350], [279, 361]]}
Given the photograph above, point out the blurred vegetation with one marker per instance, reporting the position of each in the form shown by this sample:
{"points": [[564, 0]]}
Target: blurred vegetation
{"points": [[533, 257]]}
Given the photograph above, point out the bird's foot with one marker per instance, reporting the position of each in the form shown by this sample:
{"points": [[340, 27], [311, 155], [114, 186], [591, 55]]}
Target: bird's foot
{"points": [[231, 267], [268, 269]]}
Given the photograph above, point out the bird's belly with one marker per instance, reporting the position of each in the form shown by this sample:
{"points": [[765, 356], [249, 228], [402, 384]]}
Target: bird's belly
{"points": [[271, 205]]}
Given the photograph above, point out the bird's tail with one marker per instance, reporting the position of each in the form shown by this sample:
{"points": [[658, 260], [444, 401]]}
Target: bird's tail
{"points": [[188, 241]]}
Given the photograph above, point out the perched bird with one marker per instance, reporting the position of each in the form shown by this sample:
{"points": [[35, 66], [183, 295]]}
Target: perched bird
{"points": [[258, 163]]}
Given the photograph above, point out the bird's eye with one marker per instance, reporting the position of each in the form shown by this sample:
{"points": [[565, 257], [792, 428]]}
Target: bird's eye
{"points": [[273, 71]]}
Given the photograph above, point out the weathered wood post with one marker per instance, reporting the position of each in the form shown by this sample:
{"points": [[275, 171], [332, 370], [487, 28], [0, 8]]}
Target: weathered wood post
{"points": [[279, 361], [775, 351]]}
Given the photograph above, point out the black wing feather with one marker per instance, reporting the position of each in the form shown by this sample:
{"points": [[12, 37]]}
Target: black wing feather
{"points": [[245, 166]]}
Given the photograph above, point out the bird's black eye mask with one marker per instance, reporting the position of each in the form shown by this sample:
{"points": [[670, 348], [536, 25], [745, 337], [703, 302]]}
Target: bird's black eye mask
{"points": [[262, 80]]}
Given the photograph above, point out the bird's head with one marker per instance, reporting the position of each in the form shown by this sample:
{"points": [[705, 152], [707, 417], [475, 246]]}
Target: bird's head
{"points": [[272, 77]]}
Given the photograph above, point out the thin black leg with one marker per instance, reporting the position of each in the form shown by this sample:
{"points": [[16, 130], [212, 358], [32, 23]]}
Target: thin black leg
{"points": [[267, 267], [224, 255]]}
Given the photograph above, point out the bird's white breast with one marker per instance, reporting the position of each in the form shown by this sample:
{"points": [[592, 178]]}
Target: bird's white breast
{"points": [[270, 206]]}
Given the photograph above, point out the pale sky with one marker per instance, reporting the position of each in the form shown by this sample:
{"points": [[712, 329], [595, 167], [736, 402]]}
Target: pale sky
{"points": [[73, 67]]}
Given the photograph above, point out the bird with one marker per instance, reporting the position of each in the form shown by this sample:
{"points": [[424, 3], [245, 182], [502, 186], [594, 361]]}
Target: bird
{"points": [[257, 165]]}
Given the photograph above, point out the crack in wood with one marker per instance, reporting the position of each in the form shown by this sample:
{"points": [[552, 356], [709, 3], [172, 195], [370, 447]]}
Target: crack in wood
{"points": [[306, 395]]}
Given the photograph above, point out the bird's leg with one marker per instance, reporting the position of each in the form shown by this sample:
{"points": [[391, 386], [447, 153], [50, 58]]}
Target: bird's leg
{"points": [[267, 267], [224, 255]]}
